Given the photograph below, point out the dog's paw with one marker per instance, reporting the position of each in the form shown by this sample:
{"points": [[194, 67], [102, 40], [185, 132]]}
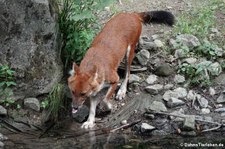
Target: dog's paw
{"points": [[121, 93], [88, 124]]}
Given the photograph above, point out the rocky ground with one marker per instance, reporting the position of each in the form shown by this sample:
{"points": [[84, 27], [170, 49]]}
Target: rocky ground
{"points": [[158, 95]]}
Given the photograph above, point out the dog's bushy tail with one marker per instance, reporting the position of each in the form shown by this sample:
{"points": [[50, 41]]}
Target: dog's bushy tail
{"points": [[164, 17]]}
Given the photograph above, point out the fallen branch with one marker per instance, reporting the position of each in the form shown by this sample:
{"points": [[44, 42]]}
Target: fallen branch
{"points": [[125, 126]]}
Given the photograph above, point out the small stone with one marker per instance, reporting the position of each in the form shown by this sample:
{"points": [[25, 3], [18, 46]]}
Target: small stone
{"points": [[124, 122], [189, 123], [190, 60], [154, 89], [164, 70], [154, 37], [205, 111], [146, 127], [176, 93], [1, 144], [215, 69], [152, 79], [168, 86], [212, 91], [188, 40], [203, 102], [180, 53], [159, 133], [149, 116], [32, 103], [208, 118], [158, 43], [82, 114], [3, 111], [174, 102], [191, 95], [143, 57], [220, 110], [179, 79], [134, 78], [189, 133], [221, 98], [157, 106], [220, 79], [180, 113], [223, 114]]}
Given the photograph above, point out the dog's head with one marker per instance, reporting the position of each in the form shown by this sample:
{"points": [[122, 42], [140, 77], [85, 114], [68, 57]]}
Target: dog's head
{"points": [[82, 85]]}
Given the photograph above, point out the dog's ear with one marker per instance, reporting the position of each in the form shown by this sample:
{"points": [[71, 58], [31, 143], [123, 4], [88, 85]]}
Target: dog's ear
{"points": [[75, 69]]}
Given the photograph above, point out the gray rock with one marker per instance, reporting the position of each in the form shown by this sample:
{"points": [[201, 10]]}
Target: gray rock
{"points": [[179, 112], [220, 110], [32, 103], [168, 86], [146, 127], [29, 43], [203, 102], [179, 79], [1, 144], [143, 57], [220, 79], [215, 69], [221, 98], [189, 123], [174, 102], [154, 37], [190, 60], [157, 106], [180, 53], [205, 111], [188, 40], [3, 111], [164, 70], [134, 78], [176, 93], [191, 95], [82, 114], [123, 122], [149, 116], [189, 133], [223, 114], [159, 133], [158, 43], [152, 79], [154, 89], [212, 91]]}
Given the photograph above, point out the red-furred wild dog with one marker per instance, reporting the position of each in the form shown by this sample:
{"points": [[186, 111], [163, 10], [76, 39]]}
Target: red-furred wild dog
{"points": [[116, 41]]}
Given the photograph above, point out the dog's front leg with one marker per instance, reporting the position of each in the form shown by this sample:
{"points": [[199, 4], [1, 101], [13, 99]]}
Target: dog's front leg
{"points": [[91, 118]]}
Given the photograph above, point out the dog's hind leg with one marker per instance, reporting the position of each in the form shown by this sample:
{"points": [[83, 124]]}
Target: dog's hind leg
{"points": [[128, 60]]}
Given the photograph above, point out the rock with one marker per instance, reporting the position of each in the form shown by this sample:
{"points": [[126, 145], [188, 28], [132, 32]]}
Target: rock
{"points": [[203, 102], [190, 60], [223, 114], [32, 103], [168, 86], [188, 40], [189, 123], [149, 116], [174, 102], [134, 78], [220, 79], [180, 53], [29, 37], [205, 111], [221, 98], [188, 133], [154, 89], [215, 69], [3, 111], [146, 127], [176, 93], [143, 57], [179, 79], [159, 133], [191, 95], [82, 114], [212, 91], [123, 122], [154, 37], [208, 118], [180, 112], [220, 110], [152, 79], [1, 144], [164, 70], [158, 43], [157, 106]]}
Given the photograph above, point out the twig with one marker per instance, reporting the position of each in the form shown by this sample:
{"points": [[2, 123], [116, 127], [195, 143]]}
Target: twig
{"points": [[212, 129], [125, 126]]}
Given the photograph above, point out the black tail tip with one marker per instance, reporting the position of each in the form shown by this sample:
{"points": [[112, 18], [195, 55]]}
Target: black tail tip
{"points": [[161, 16]]}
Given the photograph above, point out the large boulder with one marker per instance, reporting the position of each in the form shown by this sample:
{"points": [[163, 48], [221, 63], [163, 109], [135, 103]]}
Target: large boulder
{"points": [[29, 43]]}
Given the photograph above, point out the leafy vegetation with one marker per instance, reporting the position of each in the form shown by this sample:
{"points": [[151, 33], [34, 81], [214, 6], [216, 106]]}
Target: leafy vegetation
{"points": [[77, 23], [6, 83], [200, 22]]}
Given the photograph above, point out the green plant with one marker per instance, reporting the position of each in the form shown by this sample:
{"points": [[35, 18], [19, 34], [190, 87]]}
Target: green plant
{"points": [[76, 21], [55, 102], [6, 83]]}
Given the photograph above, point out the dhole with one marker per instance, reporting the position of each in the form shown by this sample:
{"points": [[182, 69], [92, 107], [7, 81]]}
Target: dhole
{"points": [[116, 41]]}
